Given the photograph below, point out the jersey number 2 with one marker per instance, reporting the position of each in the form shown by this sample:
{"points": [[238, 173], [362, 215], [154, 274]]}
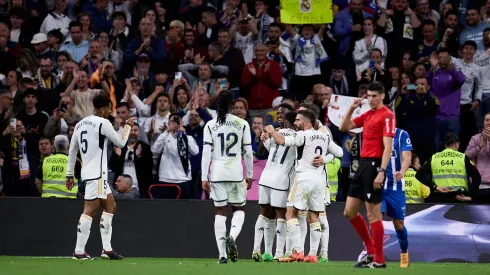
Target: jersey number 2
{"points": [[84, 142], [231, 139]]}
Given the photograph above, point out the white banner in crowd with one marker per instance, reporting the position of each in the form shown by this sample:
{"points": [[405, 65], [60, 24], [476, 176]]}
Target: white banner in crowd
{"points": [[339, 105]]}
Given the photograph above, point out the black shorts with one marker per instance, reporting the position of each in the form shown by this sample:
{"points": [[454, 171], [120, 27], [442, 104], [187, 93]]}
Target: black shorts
{"points": [[362, 186]]}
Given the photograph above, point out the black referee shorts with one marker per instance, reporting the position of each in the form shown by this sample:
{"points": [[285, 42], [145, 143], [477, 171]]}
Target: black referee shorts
{"points": [[362, 186]]}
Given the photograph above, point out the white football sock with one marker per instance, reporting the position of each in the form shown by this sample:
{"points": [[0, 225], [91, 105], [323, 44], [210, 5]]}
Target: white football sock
{"points": [[280, 237], [289, 249], [325, 235], [83, 232], [259, 232], [303, 225], [269, 233], [315, 236], [294, 233], [220, 233], [236, 224], [106, 230]]}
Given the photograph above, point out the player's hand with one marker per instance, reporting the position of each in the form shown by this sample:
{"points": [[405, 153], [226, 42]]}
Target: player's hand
{"points": [[317, 161], [398, 175], [69, 183], [130, 121], [264, 136], [269, 129], [205, 186], [249, 183], [357, 102], [378, 181], [443, 189], [463, 198]]}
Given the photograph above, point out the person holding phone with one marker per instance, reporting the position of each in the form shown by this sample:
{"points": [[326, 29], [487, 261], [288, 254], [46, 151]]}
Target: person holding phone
{"points": [[418, 108]]}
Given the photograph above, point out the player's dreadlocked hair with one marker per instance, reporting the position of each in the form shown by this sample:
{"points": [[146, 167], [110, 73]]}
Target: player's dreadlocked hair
{"points": [[224, 101]]}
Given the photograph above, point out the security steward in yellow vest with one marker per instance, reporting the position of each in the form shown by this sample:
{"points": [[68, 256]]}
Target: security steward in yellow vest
{"points": [[51, 175], [447, 174], [415, 191], [333, 169]]}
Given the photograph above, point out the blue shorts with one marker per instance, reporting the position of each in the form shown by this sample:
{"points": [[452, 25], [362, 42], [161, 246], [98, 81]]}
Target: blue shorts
{"points": [[394, 204]]}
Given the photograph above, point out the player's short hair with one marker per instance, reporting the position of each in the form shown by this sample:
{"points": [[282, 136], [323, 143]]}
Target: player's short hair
{"points": [[285, 106], [61, 143], [290, 117], [128, 179], [450, 139], [101, 101], [376, 86], [308, 115], [312, 108]]}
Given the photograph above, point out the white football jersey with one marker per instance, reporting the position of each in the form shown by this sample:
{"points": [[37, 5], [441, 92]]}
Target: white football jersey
{"points": [[309, 144], [279, 169], [90, 138], [228, 142]]}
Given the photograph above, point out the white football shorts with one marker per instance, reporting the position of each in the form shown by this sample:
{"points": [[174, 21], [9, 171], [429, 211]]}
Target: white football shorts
{"points": [[276, 198], [97, 189], [308, 192], [233, 193]]}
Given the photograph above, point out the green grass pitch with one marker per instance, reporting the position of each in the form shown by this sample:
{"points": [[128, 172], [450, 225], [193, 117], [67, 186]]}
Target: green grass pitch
{"points": [[149, 266]]}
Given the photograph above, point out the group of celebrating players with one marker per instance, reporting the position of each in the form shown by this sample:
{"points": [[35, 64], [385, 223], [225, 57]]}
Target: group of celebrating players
{"points": [[292, 186]]}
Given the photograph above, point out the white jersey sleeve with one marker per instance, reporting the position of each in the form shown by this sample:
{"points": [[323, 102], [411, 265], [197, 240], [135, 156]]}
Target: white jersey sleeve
{"points": [[280, 163], [108, 131], [310, 143]]}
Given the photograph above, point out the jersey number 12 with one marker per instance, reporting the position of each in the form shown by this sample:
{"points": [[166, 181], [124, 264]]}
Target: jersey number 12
{"points": [[231, 139]]}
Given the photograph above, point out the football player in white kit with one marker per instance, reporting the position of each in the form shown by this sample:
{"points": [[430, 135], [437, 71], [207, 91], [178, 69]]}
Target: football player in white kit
{"points": [[274, 185], [90, 138], [308, 190], [226, 139]]}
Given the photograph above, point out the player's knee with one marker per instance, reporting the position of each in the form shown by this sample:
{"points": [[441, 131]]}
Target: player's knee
{"points": [[221, 211], [374, 217], [349, 214], [398, 224]]}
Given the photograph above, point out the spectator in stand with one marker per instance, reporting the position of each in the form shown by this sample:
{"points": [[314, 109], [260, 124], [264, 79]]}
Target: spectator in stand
{"points": [[198, 117], [348, 27], [121, 33], [262, 79], [376, 72], [56, 19], [146, 43], [40, 44], [77, 47], [244, 32], [240, 109], [364, 47], [308, 57], [474, 28], [160, 119], [256, 131], [55, 38], [192, 11], [85, 21], [449, 34], [482, 59], [175, 147], [46, 148], [418, 109], [204, 78], [121, 6], [422, 52], [209, 28], [471, 93], [233, 58], [58, 123], [104, 79], [192, 47], [46, 78], [10, 50], [446, 84], [263, 18], [479, 152], [19, 167], [279, 51], [97, 10], [125, 189], [134, 159], [424, 12], [19, 32], [175, 48], [33, 119], [400, 26]]}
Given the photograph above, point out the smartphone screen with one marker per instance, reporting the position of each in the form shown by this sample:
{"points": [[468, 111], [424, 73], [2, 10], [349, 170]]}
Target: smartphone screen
{"points": [[411, 87], [178, 75], [222, 83], [13, 122]]}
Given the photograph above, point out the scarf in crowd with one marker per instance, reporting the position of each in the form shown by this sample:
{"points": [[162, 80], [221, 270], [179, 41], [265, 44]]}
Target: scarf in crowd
{"points": [[19, 153], [355, 150], [264, 27], [183, 148], [344, 87], [320, 54]]}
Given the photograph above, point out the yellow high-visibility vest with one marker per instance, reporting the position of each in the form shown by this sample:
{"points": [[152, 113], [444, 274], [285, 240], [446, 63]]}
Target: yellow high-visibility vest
{"points": [[448, 170], [415, 191], [54, 176], [333, 168]]}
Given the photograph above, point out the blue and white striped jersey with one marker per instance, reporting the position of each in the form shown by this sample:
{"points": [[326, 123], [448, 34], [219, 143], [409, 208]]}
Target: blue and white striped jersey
{"points": [[401, 143]]}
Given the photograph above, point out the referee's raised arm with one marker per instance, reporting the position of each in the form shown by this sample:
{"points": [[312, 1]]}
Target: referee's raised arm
{"points": [[347, 123]]}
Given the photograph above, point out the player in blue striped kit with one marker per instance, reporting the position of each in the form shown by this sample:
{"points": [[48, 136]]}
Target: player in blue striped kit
{"points": [[394, 201]]}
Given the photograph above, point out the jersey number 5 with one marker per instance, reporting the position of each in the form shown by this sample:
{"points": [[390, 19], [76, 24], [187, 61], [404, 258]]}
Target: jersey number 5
{"points": [[231, 140], [84, 142]]}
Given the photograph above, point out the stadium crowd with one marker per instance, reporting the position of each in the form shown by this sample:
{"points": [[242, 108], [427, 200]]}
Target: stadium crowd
{"points": [[165, 62]]}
